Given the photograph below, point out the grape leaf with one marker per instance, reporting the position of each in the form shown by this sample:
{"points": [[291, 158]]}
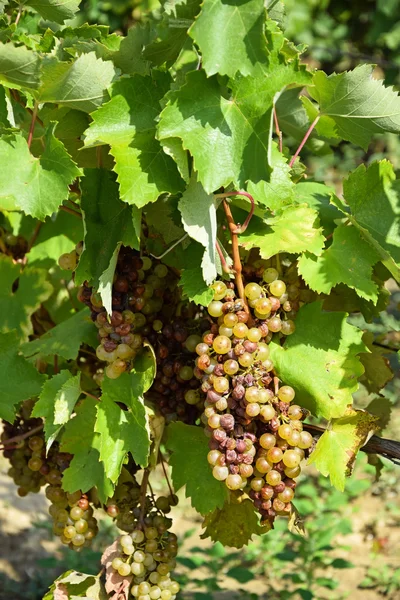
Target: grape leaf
{"points": [[55, 10], [35, 185], [19, 380], [19, 67], [108, 222], [58, 234], [377, 368], [337, 448], [79, 438], [18, 305], [199, 217], [228, 137], [294, 229], [349, 259], [72, 585], [65, 339], [56, 403], [232, 525], [373, 197], [81, 84], [122, 431], [318, 196], [279, 190], [127, 124], [319, 360], [358, 104], [129, 57], [189, 447], [381, 407], [231, 37], [194, 287], [164, 220]]}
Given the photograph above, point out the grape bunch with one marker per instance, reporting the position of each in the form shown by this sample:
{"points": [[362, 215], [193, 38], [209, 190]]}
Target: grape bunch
{"points": [[148, 554], [73, 520], [176, 389], [13, 245], [124, 505], [256, 435], [144, 296]]}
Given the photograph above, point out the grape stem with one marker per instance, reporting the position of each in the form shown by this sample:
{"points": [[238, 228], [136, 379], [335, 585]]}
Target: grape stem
{"points": [[19, 15], [303, 141], [278, 130], [70, 211], [22, 436], [33, 123], [170, 248], [238, 229], [143, 492], [390, 449], [237, 264], [89, 394], [171, 491], [224, 264]]}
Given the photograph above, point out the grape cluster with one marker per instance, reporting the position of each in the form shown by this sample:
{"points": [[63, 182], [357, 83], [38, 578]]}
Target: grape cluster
{"points": [[73, 519], [124, 505], [256, 436], [176, 389], [13, 245], [143, 296], [148, 554]]}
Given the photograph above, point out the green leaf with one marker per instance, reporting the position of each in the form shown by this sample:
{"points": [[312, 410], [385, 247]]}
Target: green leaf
{"points": [[55, 10], [348, 260], [380, 407], [19, 380], [377, 371], [56, 403], [66, 338], [199, 217], [194, 287], [79, 438], [228, 136], [358, 104], [319, 360], [337, 448], [81, 84], [294, 229], [73, 585], [19, 67], [122, 431], [18, 304], [189, 447], [318, 196], [231, 37], [232, 525], [373, 197], [164, 220], [127, 124], [35, 185], [108, 222], [279, 190], [129, 57]]}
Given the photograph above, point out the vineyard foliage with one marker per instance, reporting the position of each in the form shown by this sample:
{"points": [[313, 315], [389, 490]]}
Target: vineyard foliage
{"points": [[172, 276]]}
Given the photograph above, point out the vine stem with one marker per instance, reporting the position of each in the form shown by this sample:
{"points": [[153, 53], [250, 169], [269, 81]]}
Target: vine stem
{"points": [[22, 436], [171, 491], [241, 228], [224, 264], [90, 395], [143, 491], [70, 211], [376, 445], [19, 15], [237, 263], [35, 235], [303, 141], [33, 123], [278, 130]]}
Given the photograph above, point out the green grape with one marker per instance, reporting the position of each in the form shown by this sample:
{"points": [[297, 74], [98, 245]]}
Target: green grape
{"points": [[230, 319], [215, 309], [263, 306], [263, 466], [253, 410], [231, 367], [124, 570], [224, 330], [214, 421], [267, 441], [220, 473], [233, 482], [220, 289], [76, 513], [292, 473], [291, 459], [221, 384], [78, 540], [288, 327], [240, 330], [267, 412], [186, 373], [270, 275], [157, 325], [277, 288], [306, 440], [123, 351], [285, 431], [286, 393], [252, 291], [273, 478], [160, 271], [222, 344], [286, 495], [191, 342], [147, 263], [254, 334], [246, 359], [262, 351], [213, 456], [252, 394], [192, 397], [274, 324], [68, 261]]}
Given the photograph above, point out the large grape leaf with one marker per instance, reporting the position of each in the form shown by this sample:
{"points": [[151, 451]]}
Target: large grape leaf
{"points": [[373, 196], [337, 448], [19, 380], [199, 217], [19, 67], [377, 368], [231, 37], [232, 525], [108, 222], [189, 447], [320, 360], [35, 185], [81, 84], [228, 136], [318, 196], [86, 470], [348, 260], [294, 229], [279, 191], [55, 10], [129, 57], [72, 585], [66, 338], [122, 431], [56, 403], [127, 124], [17, 304], [358, 104]]}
